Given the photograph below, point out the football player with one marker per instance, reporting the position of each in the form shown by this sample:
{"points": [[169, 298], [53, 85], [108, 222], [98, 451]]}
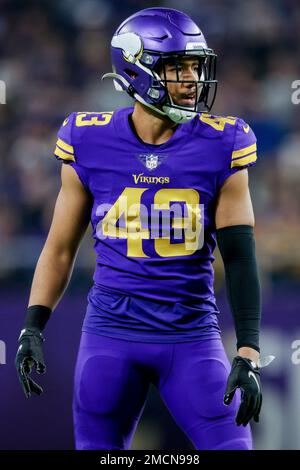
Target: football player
{"points": [[160, 182]]}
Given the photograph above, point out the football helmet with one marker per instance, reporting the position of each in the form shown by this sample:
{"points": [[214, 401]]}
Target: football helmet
{"points": [[142, 46]]}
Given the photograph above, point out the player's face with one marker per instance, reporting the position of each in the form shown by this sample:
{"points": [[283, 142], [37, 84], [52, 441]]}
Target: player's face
{"points": [[186, 92]]}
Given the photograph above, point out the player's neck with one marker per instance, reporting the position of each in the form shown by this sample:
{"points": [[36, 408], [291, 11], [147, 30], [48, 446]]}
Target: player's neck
{"points": [[151, 128]]}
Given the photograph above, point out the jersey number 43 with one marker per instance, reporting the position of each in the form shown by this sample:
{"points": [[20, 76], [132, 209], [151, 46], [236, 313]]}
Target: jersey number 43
{"points": [[173, 221]]}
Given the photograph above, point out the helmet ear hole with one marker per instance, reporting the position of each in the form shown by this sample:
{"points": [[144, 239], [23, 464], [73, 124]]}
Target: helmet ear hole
{"points": [[158, 66], [131, 73]]}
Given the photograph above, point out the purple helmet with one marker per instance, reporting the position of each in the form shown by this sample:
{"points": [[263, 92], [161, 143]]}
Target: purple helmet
{"points": [[144, 43]]}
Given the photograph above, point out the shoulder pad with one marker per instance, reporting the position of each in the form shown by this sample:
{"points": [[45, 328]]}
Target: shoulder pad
{"points": [[64, 149], [74, 128], [244, 152]]}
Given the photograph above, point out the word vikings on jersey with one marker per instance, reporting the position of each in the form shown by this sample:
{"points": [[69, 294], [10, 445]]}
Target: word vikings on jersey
{"points": [[141, 178]]}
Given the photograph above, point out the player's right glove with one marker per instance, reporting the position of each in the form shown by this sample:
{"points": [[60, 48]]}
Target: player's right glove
{"points": [[246, 376], [30, 355]]}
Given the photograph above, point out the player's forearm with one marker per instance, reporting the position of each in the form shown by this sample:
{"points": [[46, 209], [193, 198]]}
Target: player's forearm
{"points": [[51, 277], [237, 247]]}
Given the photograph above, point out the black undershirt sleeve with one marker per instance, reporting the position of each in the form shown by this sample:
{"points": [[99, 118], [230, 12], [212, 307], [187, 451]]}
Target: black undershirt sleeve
{"points": [[237, 247]]}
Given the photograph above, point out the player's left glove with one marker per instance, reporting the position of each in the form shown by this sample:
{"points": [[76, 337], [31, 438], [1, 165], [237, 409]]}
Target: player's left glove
{"points": [[246, 376], [30, 355]]}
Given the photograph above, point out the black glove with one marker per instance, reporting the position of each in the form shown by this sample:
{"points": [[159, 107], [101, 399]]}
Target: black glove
{"points": [[30, 355], [245, 375]]}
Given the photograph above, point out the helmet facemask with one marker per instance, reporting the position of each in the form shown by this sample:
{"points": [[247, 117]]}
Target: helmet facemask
{"points": [[203, 87]]}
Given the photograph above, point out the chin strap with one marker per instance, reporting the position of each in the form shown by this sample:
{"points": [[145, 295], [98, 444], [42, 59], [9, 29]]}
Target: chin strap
{"points": [[177, 115]]}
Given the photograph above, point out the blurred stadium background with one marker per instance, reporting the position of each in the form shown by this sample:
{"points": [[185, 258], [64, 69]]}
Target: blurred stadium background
{"points": [[52, 55]]}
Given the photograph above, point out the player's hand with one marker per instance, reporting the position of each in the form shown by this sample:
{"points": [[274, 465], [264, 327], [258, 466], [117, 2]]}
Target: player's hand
{"points": [[246, 376], [30, 355]]}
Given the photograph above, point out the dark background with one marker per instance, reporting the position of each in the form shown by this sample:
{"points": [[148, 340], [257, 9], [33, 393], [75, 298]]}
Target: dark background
{"points": [[52, 55]]}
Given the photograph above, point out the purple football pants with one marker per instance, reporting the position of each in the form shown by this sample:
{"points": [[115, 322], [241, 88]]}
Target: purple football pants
{"points": [[112, 378]]}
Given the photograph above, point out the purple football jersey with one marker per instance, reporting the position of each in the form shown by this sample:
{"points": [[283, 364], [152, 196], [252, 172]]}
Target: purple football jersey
{"points": [[153, 215]]}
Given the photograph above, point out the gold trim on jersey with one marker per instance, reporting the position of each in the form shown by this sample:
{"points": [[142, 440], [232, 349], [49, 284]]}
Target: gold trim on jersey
{"points": [[63, 155], [244, 151], [64, 146], [245, 160]]}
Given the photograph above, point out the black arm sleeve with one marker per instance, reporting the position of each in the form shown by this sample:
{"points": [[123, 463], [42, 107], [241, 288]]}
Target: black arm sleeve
{"points": [[237, 247], [37, 316]]}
